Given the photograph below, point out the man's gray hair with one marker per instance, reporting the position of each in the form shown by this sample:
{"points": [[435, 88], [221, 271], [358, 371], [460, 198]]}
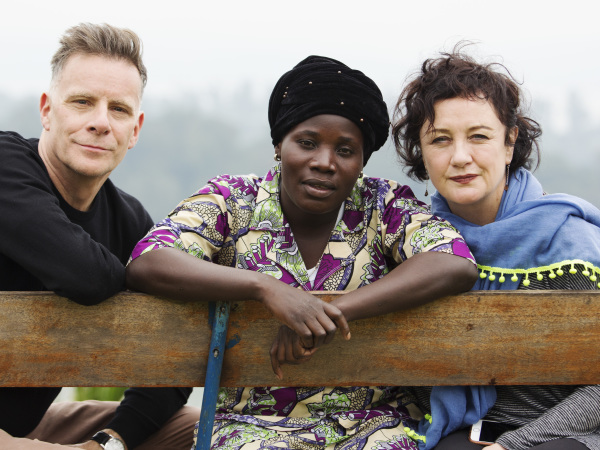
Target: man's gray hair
{"points": [[100, 40]]}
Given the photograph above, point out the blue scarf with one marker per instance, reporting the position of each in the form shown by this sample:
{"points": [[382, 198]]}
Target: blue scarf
{"points": [[452, 408], [532, 233]]}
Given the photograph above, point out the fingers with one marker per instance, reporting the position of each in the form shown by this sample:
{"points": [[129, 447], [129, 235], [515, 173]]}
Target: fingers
{"points": [[324, 326], [495, 446], [322, 329], [287, 349], [297, 354], [291, 350], [298, 351], [314, 320], [306, 334], [275, 359], [339, 319]]}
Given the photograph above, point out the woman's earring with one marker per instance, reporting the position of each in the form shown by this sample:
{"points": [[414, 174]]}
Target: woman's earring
{"points": [[361, 174], [426, 187], [277, 157], [507, 176]]}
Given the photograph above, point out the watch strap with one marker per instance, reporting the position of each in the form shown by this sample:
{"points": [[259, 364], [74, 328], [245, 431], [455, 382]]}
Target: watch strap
{"points": [[102, 438]]}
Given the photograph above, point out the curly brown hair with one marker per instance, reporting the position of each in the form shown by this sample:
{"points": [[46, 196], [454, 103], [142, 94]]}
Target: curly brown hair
{"points": [[455, 75]]}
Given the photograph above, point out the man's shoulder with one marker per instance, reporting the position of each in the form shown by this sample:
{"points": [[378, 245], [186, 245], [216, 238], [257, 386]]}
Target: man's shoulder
{"points": [[124, 196], [10, 140], [20, 161], [126, 205]]}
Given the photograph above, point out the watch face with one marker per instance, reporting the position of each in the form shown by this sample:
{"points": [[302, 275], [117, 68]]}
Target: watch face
{"points": [[114, 444]]}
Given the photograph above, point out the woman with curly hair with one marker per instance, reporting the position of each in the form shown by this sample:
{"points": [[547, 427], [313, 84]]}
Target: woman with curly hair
{"points": [[460, 124]]}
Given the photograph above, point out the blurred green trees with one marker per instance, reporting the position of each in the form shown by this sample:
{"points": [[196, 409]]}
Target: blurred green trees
{"points": [[99, 393], [183, 144]]}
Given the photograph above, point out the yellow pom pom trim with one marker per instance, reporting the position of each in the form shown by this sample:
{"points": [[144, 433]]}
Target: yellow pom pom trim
{"points": [[414, 435], [555, 269]]}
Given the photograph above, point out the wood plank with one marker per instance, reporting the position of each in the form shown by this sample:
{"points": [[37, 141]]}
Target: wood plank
{"points": [[46, 340], [529, 337]]}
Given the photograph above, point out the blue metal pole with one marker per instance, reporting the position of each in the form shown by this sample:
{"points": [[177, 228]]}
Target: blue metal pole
{"points": [[213, 375]]}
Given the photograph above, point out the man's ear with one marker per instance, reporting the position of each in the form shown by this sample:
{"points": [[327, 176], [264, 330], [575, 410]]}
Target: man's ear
{"points": [[45, 111], [136, 131]]}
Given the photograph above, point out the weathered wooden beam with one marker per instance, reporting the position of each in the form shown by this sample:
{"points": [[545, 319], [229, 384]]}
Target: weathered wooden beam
{"points": [[527, 337]]}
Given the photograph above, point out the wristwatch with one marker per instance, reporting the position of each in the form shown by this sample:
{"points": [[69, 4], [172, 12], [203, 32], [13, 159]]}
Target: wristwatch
{"points": [[108, 442]]}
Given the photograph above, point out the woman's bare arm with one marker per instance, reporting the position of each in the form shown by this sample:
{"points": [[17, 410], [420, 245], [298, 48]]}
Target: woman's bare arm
{"points": [[175, 274], [420, 279]]}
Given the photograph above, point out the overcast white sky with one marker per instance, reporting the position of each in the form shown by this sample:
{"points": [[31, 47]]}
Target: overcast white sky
{"points": [[225, 45]]}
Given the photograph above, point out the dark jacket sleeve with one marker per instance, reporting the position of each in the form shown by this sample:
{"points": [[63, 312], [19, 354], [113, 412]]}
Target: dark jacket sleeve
{"points": [[144, 411], [39, 237]]}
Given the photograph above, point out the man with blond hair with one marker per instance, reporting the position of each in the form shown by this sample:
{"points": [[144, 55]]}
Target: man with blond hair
{"points": [[65, 227]]}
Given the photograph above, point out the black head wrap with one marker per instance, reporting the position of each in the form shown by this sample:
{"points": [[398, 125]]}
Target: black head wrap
{"points": [[321, 85]]}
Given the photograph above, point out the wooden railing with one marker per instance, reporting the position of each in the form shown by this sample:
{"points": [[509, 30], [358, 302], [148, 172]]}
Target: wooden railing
{"points": [[132, 339]]}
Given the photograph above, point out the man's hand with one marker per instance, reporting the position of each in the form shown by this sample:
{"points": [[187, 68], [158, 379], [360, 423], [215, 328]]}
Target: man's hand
{"points": [[93, 445], [89, 445]]}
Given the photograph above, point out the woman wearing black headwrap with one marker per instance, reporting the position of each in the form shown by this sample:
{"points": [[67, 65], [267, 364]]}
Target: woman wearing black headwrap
{"points": [[319, 85], [314, 222]]}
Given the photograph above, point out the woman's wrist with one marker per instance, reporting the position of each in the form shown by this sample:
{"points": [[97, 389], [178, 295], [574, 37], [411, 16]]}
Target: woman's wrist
{"points": [[258, 286]]}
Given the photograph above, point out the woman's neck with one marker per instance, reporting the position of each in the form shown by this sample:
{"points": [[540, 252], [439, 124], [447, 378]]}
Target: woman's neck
{"points": [[481, 212], [312, 233], [474, 214]]}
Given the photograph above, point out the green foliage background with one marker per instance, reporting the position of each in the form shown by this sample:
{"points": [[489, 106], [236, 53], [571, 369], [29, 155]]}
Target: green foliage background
{"points": [[99, 393]]}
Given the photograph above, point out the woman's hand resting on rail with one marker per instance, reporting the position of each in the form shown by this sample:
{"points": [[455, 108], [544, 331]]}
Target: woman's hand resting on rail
{"points": [[287, 348], [313, 320], [172, 273]]}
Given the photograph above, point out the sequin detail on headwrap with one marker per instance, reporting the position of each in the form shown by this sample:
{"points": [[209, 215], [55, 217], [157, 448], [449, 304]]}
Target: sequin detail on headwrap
{"points": [[320, 85]]}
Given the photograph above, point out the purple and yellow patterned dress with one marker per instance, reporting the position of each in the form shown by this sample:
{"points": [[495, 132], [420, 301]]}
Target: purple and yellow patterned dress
{"points": [[237, 221]]}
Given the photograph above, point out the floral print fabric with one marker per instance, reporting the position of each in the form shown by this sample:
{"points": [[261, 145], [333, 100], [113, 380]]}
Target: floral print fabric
{"points": [[237, 221], [317, 418]]}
